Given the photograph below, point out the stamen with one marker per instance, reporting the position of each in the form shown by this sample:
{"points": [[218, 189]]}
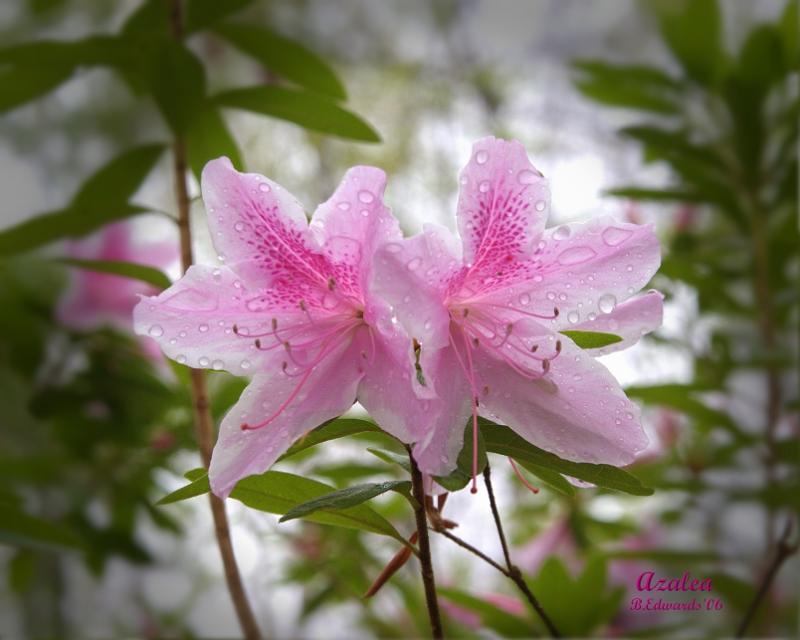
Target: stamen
{"points": [[522, 479], [331, 284], [545, 365]]}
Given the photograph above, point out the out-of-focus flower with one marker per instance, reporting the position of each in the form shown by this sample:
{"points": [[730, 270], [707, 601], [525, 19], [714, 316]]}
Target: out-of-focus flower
{"points": [[96, 299], [488, 313], [557, 539], [293, 308], [471, 619]]}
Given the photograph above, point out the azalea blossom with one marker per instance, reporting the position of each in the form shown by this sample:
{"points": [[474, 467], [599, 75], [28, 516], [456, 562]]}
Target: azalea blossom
{"points": [[292, 308], [488, 312]]}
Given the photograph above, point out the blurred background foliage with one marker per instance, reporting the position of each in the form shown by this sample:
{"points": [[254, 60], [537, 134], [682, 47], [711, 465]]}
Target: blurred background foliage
{"points": [[684, 113]]}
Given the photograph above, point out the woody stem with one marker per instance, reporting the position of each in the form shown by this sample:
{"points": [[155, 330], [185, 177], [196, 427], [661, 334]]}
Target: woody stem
{"points": [[204, 422], [418, 491], [513, 571]]}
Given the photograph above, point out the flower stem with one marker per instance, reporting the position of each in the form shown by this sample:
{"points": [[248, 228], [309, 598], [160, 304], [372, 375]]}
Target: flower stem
{"points": [[513, 571], [204, 422], [418, 490], [784, 550]]}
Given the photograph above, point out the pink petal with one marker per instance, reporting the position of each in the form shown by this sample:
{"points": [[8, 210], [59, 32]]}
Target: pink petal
{"points": [[583, 270], [329, 391], [576, 411], [350, 225], [208, 319], [630, 320], [502, 208]]}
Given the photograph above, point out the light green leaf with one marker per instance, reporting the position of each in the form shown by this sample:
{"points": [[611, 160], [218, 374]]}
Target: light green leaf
{"points": [[333, 430], [307, 109], [346, 498], [208, 138], [131, 270], [285, 57], [500, 439], [197, 487], [592, 339]]}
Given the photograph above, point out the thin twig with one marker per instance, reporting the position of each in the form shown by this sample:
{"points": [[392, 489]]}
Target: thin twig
{"points": [[513, 571], [418, 490], [475, 551], [783, 551], [204, 422]]}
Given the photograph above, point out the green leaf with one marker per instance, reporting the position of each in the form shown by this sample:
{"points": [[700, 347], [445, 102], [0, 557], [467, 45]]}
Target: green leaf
{"points": [[208, 138], [346, 498], [554, 481], [630, 86], [592, 339], [131, 270], [21, 85], [501, 439], [18, 529], [333, 430], [45, 54], [195, 474], [307, 109], [197, 487], [761, 60], [102, 199], [693, 31], [178, 84], [500, 621], [391, 457], [658, 195], [789, 25], [201, 14], [285, 57], [279, 492]]}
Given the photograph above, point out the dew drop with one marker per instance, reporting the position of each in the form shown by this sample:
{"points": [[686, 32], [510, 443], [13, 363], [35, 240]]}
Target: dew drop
{"points": [[245, 364], [483, 187], [393, 247], [365, 196], [156, 331], [239, 226], [537, 278], [607, 302], [364, 213], [573, 317], [180, 359], [414, 263], [481, 157], [614, 236], [218, 365], [202, 328], [203, 361], [540, 205], [526, 176], [343, 206], [562, 296], [576, 255], [216, 274], [562, 232], [264, 187], [551, 295], [524, 299], [629, 268]]}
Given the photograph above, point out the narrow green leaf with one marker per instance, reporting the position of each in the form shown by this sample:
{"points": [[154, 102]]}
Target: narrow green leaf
{"points": [[658, 195], [391, 457], [208, 137], [22, 85], [333, 430], [178, 84], [287, 58], [18, 529], [307, 109], [201, 14], [501, 439], [131, 270], [197, 487], [789, 26], [279, 492], [195, 474], [592, 339], [346, 498], [552, 479], [630, 86], [94, 50]]}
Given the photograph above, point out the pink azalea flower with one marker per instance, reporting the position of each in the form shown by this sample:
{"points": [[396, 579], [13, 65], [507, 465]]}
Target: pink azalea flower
{"points": [[95, 299], [293, 308], [488, 313]]}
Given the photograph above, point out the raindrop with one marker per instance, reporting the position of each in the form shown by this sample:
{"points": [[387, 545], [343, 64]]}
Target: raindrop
{"points": [[539, 206], [629, 268], [239, 226], [481, 157], [576, 255], [551, 295], [217, 365], [264, 187], [245, 364], [562, 296], [364, 213], [156, 331], [414, 263], [181, 359], [365, 196], [203, 361], [526, 176], [614, 236], [607, 302], [562, 232], [524, 299], [537, 278], [483, 187], [343, 206], [573, 317], [202, 328]]}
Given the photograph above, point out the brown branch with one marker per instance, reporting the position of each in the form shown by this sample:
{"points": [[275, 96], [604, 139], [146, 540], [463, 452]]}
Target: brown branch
{"points": [[513, 571], [418, 490], [783, 551], [204, 423]]}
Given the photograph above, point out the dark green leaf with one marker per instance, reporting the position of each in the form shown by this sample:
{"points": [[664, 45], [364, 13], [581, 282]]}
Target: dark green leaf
{"points": [[554, 481], [761, 60], [19, 529], [658, 195], [178, 84], [592, 339], [69, 54], [789, 26], [201, 14], [279, 492], [693, 32], [500, 439], [309, 110], [346, 498], [635, 87], [339, 428], [21, 85], [208, 137], [126, 269], [285, 57]]}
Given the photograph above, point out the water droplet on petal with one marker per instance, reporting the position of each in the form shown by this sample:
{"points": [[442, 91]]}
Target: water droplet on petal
{"points": [[156, 331], [524, 299], [239, 226], [629, 268], [218, 365], [607, 302], [526, 176], [264, 187], [414, 263], [481, 157], [365, 196], [614, 236], [245, 364], [551, 295], [393, 247], [562, 232], [573, 317], [576, 255], [180, 359], [203, 361], [483, 187], [343, 206], [202, 328], [537, 278], [329, 301], [540, 205], [216, 274], [364, 213]]}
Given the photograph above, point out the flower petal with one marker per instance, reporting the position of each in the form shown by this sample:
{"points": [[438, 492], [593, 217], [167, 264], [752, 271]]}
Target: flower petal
{"points": [[329, 391], [502, 208], [583, 270], [576, 411], [350, 225], [206, 320], [630, 320]]}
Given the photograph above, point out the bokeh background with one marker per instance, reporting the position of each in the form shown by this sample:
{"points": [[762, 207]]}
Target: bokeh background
{"points": [[683, 114]]}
